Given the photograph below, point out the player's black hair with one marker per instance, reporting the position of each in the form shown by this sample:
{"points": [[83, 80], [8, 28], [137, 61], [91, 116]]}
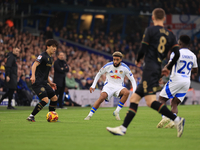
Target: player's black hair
{"points": [[52, 42], [185, 39]]}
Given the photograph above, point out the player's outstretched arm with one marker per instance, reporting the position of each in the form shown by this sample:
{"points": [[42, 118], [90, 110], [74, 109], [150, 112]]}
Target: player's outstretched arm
{"points": [[92, 89], [98, 75], [131, 78]]}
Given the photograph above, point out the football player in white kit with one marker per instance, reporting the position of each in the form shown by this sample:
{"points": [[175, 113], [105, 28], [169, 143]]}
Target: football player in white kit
{"points": [[114, 84], [179, 82]]}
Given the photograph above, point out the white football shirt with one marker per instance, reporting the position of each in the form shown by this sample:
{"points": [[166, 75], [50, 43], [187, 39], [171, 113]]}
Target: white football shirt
{"points": [[182, 69], [115, 75]]}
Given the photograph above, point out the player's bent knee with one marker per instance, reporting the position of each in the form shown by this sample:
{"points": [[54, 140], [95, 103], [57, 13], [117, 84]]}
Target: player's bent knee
{"points": [[45, 99], [135, 98], [54, 98], [148, 104], [175, 101], [127, 93]]}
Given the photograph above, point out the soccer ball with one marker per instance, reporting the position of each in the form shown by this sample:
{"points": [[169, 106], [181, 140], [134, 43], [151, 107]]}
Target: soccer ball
{"points": [[52, 116]]}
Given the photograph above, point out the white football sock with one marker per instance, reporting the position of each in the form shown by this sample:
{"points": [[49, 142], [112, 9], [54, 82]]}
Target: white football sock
{"points": [[118, 109], [176, 121], [90, 114], [123, 128], [163, 116]]}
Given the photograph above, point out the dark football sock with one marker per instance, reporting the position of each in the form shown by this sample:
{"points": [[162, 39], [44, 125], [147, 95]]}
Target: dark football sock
{"points": [[38, 107], [10, 96], [162, 109], [52, 105], [130, 114]]}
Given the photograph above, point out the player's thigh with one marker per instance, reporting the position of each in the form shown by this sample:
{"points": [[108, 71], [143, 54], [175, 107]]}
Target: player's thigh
{"points": [[120, 91], [175, 101], [40, 91], [135, 98], [109, 89], [180, 94], [170, 89], [123, 91], [150, 82], [150, 99], [176, 88], [140, 91], [50, 92], [164, 92], [103, 96]]}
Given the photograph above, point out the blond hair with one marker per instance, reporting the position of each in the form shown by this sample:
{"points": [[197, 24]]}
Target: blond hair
{"points": [[117, 54]]}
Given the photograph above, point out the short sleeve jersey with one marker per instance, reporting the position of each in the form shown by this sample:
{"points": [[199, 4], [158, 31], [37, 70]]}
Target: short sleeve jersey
{"points": [[159, 40], [42, 70], [115, 75], [182, 69]]}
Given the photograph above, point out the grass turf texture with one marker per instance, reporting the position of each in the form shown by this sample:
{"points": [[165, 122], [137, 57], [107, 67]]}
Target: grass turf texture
{"points": [[74, 133]]}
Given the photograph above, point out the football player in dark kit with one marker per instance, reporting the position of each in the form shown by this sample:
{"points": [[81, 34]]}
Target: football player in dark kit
{"points": [[41, 83], [156, 43]]}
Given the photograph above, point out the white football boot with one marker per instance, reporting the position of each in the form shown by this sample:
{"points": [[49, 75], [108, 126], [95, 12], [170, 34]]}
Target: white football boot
{"points": [[180, 126], [170, 124], [88, 118], [116, 130], [116, 114], [164, 121]]}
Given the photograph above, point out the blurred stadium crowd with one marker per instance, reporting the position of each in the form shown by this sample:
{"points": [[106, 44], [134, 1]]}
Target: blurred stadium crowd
{"points": [[170, 6], [83, 65]]}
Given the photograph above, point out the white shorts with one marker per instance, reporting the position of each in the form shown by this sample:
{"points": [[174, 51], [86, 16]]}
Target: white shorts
{"points": [[112, 90], [175, 89]]}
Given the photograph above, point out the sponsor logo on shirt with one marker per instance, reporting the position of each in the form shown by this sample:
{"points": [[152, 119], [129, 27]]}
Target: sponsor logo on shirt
{"points": [[115, 77], [39, 57]]}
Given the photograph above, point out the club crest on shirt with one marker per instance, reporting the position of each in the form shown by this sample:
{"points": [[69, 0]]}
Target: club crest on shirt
{"points": [[42, 89], [120, 71]]}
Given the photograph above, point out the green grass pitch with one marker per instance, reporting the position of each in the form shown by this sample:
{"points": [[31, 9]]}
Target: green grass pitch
{"points": [[74, 133]]}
